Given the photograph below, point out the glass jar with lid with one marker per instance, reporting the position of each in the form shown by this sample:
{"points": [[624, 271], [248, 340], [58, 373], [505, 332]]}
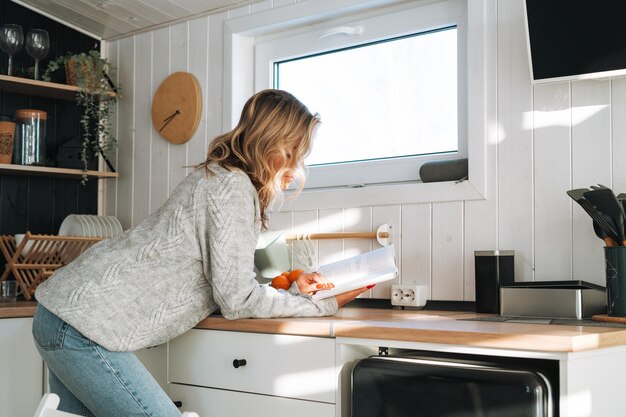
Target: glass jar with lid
{"points": [[30, 137]]}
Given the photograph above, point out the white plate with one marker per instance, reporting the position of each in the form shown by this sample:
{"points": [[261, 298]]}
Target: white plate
{"points": [[87, 228], [104, 230], [18, 240], [94, 230], [106, 233], [94, 226], [71, 226], [116, 226], [108, 227], [84, 225], [99, 227]]}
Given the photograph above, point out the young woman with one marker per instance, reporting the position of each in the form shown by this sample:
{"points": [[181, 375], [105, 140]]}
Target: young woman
{"points": [[191, 258]]}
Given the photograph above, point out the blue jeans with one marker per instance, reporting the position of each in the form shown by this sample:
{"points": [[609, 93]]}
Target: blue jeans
{"points": [[93, 381]]}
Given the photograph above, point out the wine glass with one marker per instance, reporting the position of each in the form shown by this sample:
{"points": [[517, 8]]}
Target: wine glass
{"points": [[37, 46], [11, 41]]}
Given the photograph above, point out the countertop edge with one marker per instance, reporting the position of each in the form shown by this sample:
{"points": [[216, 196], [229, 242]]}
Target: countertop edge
{"points": [[18, 309], [437, 327]]}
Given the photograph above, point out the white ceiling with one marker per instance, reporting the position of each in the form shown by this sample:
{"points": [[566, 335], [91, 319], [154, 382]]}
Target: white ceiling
{"points": [[113, 18]]}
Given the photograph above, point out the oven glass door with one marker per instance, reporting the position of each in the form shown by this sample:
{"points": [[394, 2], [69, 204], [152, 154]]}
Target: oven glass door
{"points": [[426, 387]]}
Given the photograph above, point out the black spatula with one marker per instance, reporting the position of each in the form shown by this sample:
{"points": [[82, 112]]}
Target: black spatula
{"points": [[605, 201], [621, 197], [603, 229]]}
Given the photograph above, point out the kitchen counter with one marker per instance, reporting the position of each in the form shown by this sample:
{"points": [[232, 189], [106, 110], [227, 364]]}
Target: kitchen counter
{"points": [[426, 326], [320, 326], [17, 309], [443, 327]]}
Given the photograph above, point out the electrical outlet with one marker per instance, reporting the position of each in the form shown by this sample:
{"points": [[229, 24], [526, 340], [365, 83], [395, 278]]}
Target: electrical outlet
{"points": [[408, 295]]}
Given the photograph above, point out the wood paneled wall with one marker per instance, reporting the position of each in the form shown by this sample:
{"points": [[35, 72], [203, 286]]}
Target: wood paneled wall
{"points": [[550, 138]]}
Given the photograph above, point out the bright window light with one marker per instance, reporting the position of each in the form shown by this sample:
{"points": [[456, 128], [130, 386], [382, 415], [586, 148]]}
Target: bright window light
{"points": [[388, 99]]}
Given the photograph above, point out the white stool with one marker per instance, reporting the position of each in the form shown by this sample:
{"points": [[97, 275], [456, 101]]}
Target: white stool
{"points": [[48, 407], [49, 403]]}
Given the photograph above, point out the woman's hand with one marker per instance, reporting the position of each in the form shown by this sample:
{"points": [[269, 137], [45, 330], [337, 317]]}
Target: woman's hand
{"points": [[346, 297], [310, 283]]}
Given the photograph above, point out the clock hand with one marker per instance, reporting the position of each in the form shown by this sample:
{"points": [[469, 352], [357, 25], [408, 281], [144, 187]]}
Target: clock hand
{"points": [[169, 119]]}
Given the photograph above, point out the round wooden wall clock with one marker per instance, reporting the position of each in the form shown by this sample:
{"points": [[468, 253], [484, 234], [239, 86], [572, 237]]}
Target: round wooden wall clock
{"points": [[177, 107]]}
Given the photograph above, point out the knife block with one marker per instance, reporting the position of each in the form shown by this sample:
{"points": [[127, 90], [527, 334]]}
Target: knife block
{"points": [[492, 268]]}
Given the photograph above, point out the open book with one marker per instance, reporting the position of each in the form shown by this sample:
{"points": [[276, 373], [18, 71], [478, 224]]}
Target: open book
{"points": [[359, 271]]}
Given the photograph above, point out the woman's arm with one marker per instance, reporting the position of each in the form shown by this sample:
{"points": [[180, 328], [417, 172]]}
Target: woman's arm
{"points": [[227, 228]]}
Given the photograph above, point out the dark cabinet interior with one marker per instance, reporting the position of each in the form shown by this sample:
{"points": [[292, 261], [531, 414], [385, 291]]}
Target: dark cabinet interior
{"points": [[39, 203]]}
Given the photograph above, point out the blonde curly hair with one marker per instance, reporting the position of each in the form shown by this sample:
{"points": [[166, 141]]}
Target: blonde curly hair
{"points": [[274, 125]]}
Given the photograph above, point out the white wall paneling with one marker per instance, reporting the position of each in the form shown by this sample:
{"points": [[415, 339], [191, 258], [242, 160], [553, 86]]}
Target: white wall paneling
{"points": [[179, 61], [542, 141], [126, 195], [359, 219], [260, 6], [281, 221], [159, 155], [215, 85], [515, 148], [392, 216], [143, 135], [198, 58], [550, 123], [481, 216], [618, 130], [110, 205], [415, 253], [305, 221], [330, 250], [447, 251], [591, 163], [279, 3]]}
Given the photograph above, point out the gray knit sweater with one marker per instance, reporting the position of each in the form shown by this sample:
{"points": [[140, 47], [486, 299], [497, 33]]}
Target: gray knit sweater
{"points": [[195, 255]]}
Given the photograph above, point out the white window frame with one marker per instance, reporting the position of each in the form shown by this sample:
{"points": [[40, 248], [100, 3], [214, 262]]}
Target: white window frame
{"points": [[374, 26], [240, 36]]}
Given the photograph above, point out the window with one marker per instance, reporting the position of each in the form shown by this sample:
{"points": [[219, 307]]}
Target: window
{"points": [[389, 88], [301, 23]]}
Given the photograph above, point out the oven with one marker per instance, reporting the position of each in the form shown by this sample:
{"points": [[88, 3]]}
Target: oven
{"points": [[433, 384]]}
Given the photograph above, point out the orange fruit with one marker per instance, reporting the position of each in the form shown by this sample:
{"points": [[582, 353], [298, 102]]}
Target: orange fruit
{"points": [[294, 275], [281, 282], [285, 273]]}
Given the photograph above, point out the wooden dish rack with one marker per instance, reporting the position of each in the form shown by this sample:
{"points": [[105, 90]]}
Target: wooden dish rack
{"points": [[46, 254]]}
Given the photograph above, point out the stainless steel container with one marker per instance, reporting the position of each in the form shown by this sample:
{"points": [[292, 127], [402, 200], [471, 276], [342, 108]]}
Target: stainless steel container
{"points": [[552, 299]]}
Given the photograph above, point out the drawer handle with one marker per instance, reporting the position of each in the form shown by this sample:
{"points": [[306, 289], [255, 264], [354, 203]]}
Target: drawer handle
{"points": [[239, 362]]}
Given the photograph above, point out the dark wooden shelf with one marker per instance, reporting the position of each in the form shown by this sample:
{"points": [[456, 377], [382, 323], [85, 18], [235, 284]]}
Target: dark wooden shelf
{"points": [[53, 171], [38, 88]]}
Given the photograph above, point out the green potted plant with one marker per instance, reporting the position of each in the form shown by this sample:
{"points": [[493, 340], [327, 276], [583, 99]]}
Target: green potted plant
{"points": [[97, 96]]}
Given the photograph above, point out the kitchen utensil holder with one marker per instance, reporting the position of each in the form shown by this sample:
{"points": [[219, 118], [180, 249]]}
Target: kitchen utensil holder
{"points": [[46, 254]]}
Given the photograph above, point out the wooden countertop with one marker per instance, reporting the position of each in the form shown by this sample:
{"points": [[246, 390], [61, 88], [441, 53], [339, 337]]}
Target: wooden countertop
{"points": [[442, 327], [318, 326], [426, 326], [17, 309]]}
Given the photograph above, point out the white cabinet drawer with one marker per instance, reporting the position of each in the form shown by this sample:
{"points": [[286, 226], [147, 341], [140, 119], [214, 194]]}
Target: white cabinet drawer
{"points": [[287, 366], [214, 402], [21, 368], [154, 358]]}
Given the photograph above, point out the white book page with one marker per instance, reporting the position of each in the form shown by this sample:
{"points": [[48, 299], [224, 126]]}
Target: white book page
{"points": [[359, 271]]}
